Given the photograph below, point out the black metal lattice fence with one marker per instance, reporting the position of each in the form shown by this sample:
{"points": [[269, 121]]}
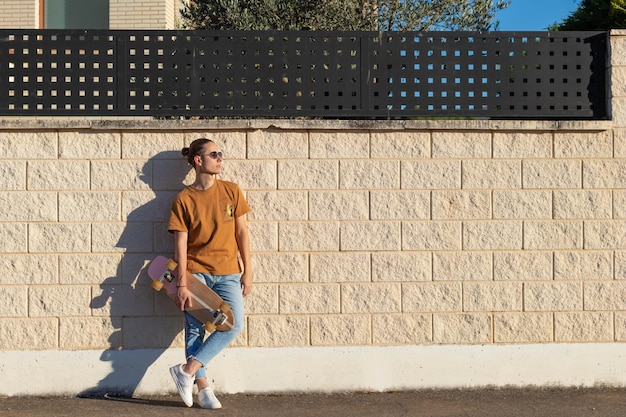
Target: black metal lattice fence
{"points": [[527, 75]]}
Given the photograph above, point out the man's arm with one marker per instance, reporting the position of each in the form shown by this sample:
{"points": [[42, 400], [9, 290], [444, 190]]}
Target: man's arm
{"points": [[243, 244], [183, 296]]}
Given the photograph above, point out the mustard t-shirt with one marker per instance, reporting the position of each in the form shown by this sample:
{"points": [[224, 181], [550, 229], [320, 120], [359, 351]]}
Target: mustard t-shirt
{"points": [[209, 218]]}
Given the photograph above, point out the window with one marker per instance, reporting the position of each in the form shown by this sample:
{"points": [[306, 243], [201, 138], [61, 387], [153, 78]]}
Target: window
{"points": [[76, 14]]}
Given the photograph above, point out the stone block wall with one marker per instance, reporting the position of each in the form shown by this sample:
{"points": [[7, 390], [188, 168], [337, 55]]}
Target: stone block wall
{"points": [[363, 233]]}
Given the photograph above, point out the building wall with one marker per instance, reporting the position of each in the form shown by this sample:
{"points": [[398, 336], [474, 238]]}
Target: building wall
{"points": [[378, 247], [19, 14]]}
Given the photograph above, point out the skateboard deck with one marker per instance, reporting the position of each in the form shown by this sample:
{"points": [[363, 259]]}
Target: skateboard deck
{"points": [[208, 307]]}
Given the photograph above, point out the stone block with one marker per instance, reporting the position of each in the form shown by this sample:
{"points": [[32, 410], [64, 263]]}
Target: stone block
{"points": [[35, 333], [262, 300], [401, 329], [551, 174], [453, 205], [309, 299], [400, 205], [58, 175], [522, 328], [308, 175], [471, 328], [604, 173], [278, 331], [90, 145], [15, 301], [401, 266], [431, 235], [79, 269], [142, 206], [133, 237], [59, 237], [583, 144], [339, 144], [462, 266], [428, 297], [583, 265], [371, 298], [522, 145], [143, 144], [122, 300], [492, 174], [29, 206], [553, 296], [263, 236], [339, 205], [89, 333], [271, 144], [430, 175], [370, 236], [620, 265], [522, 204], [369, 175], [401, 145], [523, 266], [252, 175], [13, 174], [344, 330], [29, 145], [280, 267], [120, 175], [29, 269], [492, 296], [13, 238], [619, 204], [308, 236], [340, 267], [553, 235], [170, 175], [583, 327], [492, 235], [278, 205], [139, 332], [89, 206], [605, 296], [583, 204], [463, 145], [605, 234], [59, 301]]}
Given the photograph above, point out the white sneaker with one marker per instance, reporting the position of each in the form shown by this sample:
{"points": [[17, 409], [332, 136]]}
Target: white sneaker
{"points": [[207, 399], [184, 383]]}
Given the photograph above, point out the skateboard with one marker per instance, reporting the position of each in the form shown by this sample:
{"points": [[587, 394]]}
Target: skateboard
{"points": [[208, 307]]}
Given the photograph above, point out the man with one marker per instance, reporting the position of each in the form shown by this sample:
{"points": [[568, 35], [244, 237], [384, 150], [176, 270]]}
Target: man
{"points": [[210, 231]]}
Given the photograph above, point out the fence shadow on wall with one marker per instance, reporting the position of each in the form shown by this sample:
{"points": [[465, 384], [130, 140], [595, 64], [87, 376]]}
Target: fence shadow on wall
{"points": [[142, 318]]}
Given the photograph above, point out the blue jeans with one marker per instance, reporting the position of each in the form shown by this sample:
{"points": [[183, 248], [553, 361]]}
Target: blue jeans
{"points": [[229, 288]]}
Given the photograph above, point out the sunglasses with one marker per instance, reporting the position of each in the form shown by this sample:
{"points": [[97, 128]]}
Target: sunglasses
{"points": [[214, 155]]}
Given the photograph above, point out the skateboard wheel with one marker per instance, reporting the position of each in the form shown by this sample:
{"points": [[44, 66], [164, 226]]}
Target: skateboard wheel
{"points": [[210, 327], [225, 307], [171, 265], [157, 285]]}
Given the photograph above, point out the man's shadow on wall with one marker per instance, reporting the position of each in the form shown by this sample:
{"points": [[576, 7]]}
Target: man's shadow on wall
{"points": [[144, 320]]}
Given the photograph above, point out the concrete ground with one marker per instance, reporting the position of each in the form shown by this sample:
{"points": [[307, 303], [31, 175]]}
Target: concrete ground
{"points": [[600, 402]]}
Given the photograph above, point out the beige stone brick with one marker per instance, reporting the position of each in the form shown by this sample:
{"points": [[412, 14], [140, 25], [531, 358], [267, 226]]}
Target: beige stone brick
{"points": [[427, 297], [168, 174], [339, 144], [28, 206], [371, 298], [263, 236], [79, 269], [370, 236], [523, 328], [605, 234], [64, 301], [139, 332], [522, 204], [90, 145], [604, 173], [13, 174], [278, 205], [430, 175], [400, 144], [401, 266], [605, 296], [34, 333], [89, 206], [620, 326], [553, 174], [122, 300], [522, 145], [491, 174], [143, 144], [270, 144], [583, 144], [618, 110], [13, 238], [553, 235], [582, 266], [278, 331], [620, 265], [401, 329], [123, 237], [14, 301], [452, 205], [120, 175], [433, 235], [618, 81], [462, 266], [89, 333], [583, 327], [462, 328], [618, 51], [252, 175], [340, 267], [16, 144], [262, 300], [582, 204], [138, 206], [619, 135], [309, 299], [59, 237], [280, 267], [492, 296], [465, 145], [619, 204], [495, 235], [522, 266], [331, 330], [308, 236], [339, 205], [369, 175], [28, 269], [553, 296], [400, 205], [58, 175], [308, 175]]}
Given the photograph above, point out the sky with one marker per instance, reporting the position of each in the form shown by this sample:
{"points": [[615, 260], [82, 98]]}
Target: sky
{"points": [[533, 15]]}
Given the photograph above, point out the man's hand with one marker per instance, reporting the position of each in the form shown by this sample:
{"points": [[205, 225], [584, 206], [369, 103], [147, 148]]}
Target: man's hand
{"points": [[246, 283], [183, 298]]}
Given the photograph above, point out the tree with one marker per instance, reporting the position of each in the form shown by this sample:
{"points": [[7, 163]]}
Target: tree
{"points": [[595, 15], [401, 15]]}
